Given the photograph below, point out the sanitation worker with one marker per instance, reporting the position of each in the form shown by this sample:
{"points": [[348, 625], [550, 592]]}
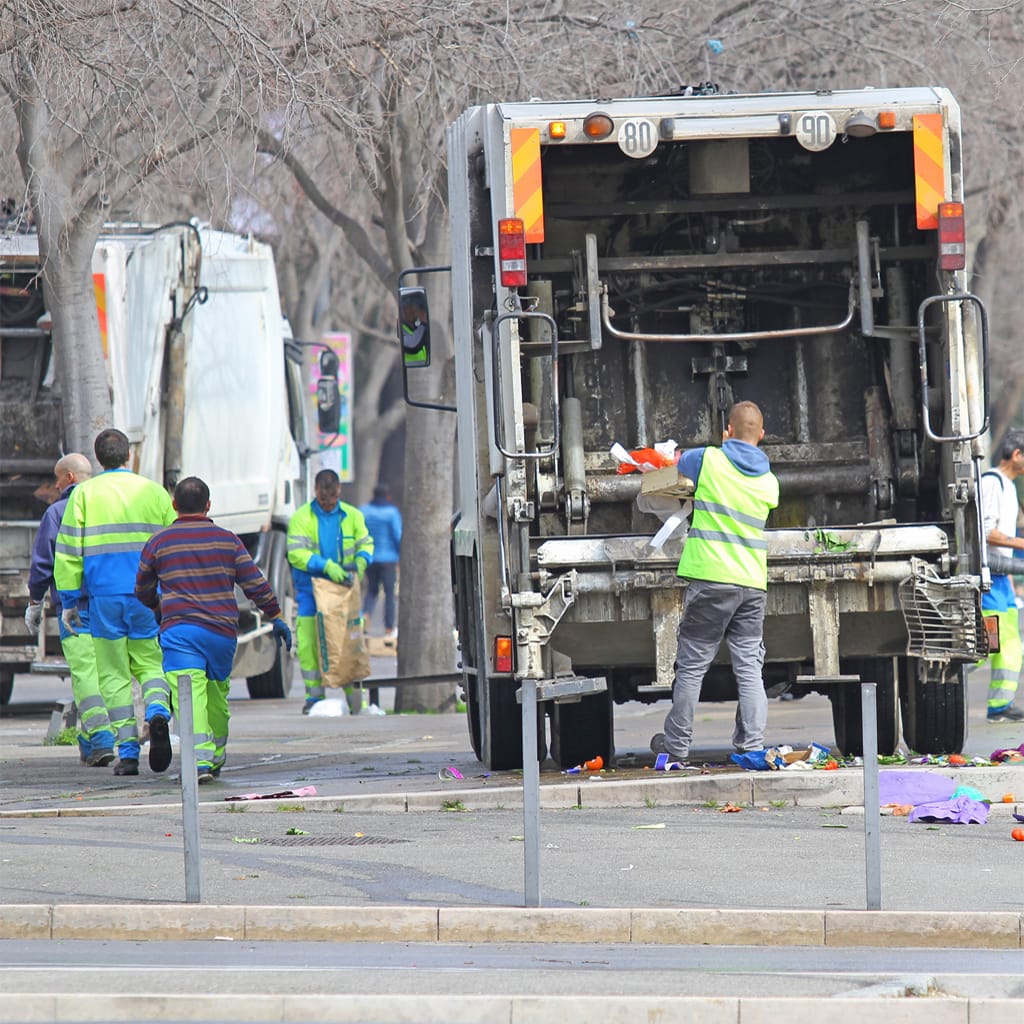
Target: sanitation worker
{"points": [[95, 738], [107, 521], [196, 565], [725, 561], [999, 508], [326, 538]]}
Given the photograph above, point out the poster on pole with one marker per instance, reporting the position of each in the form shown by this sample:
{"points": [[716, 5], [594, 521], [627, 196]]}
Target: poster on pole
{"points": [[336, 448]]}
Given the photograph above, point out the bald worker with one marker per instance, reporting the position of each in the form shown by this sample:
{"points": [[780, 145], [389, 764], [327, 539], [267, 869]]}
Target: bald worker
{"points": [[95, 736], [725, 561]]}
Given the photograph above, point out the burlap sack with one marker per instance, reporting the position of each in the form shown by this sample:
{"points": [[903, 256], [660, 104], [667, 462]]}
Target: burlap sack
{"points": [[341, 646]]}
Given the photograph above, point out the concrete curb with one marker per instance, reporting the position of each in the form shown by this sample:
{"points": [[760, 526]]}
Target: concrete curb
{"points": [[638, 926], [841, 788], [506, 1009]]}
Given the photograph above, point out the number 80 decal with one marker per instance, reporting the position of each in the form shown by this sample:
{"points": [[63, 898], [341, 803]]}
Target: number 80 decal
{"points": [[638, 137], [815, 130]]}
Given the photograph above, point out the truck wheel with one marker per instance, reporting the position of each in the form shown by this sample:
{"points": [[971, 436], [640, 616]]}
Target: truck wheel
{"points": [[501, 727], [6, 686], [276, 682], [933, 699], [473, 714], [846, 711], [582, 731]]}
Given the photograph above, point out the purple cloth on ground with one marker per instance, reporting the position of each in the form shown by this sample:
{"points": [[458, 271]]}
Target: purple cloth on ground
{"points": [[913, 787], [998, 755], [961, 811]]}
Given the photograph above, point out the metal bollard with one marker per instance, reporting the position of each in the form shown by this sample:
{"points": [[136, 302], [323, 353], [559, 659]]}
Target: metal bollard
{"points": [[189, 792]]}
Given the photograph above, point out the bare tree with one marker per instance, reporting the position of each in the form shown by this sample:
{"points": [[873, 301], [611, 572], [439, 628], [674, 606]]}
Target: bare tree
{"points": [[104, 95]]}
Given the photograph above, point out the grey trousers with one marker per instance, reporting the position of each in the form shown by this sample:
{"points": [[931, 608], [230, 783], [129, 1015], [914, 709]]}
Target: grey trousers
{"points": [[713, 612]]}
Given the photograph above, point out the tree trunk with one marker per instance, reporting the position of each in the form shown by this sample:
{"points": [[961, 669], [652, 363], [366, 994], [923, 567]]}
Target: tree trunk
{"points": [[78, 348]]}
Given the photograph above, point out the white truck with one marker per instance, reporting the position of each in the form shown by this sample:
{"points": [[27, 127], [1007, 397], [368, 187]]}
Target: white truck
{"points": [[622, 271], [205, 381]]}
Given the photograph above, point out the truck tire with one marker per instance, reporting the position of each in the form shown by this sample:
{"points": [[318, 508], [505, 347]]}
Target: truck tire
{"points": [[276, 682], [501, 727], [933, 699], [473, 715], [6, 686], [846, 707], [582, 731]]}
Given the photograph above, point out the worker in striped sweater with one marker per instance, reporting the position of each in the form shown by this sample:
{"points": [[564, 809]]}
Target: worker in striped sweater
{"points": [[196, 564]]}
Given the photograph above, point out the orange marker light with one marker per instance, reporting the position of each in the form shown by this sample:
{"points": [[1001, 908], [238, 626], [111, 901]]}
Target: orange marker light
{"points": [[557, 130], [503, 654], [887, 119], [598, 126]]}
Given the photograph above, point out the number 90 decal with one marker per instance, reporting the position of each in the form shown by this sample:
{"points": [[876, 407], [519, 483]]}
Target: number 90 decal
{"points": [[815, 130], [638, 137]]}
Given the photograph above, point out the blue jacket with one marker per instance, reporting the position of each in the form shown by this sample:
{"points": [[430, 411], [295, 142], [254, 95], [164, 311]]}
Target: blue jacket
{"points": [[384, 522], [40, 574]]}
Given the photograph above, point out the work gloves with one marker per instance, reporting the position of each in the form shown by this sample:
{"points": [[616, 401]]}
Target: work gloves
{"points": [[282, 634], [34, 616], [72, 620], [335, 572]]}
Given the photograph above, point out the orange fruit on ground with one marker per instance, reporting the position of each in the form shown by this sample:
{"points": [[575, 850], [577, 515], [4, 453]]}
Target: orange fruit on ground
{"points": [[1018, 834]]}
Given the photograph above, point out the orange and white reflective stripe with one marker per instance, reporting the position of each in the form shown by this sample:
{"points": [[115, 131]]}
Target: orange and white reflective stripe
{"points": [[99, 286], [527, 196], [929, 168]]}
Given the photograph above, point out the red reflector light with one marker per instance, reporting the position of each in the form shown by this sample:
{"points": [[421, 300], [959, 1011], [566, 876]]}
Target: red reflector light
{"points": [[952, 240], [512, 252], [503, 654]]}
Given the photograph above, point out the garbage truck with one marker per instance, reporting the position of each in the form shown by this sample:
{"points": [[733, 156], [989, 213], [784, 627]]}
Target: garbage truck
{"points": [[622, 272], [205, 380]]}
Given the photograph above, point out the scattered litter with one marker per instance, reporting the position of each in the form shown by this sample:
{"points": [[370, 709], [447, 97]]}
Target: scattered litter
{"points": [[961, 811], [296, 832], [245, 839], [595, 764], [663, 764], [329, 707], [833, 824], [660, 824], [373, 709], [628, 867], [302, 791], [449, 772], [1010, 755], [223, 938], [729, 809], [1018, 817]]}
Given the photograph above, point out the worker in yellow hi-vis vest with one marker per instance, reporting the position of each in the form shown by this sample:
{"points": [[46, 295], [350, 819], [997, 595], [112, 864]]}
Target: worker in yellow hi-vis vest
{"points": [[328, 538], [107, 522], [725, 560]]}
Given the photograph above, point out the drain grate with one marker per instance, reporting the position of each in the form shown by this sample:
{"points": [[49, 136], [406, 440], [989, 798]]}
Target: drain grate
{"points": [[330, 841]]}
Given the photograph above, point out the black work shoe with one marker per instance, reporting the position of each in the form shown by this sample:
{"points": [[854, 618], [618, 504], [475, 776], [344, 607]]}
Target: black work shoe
{"points": [[159, 744], [127, 766], [658, 743], [100, 758], [1007, 714]]}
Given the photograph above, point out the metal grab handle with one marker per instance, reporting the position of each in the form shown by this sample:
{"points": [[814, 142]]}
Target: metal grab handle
{"points": [[499, 434], [784, 332], [923, 360]]}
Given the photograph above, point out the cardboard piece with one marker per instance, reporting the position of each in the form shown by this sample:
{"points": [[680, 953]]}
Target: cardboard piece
{"points": [[667, 482]]}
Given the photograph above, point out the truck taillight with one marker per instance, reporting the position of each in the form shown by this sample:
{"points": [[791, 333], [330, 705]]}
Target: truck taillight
{"points": [[952, 247], [512, 252], [503, 654]]}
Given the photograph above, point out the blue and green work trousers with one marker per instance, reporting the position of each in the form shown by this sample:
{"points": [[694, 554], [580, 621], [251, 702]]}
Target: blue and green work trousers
{"points": [[124, 638], [1006, 664], [206, 658], [94, 731], [307, 644]]}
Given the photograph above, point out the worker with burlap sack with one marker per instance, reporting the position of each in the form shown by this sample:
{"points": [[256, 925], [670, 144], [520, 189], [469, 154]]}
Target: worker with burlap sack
{"points": [[329, 548]]}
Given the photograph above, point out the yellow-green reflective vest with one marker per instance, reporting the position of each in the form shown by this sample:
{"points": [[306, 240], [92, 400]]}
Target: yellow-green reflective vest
{"points": [[726, 542]]}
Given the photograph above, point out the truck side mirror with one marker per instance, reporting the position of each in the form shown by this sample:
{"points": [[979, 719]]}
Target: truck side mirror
{"points": [[328, 401], [414, 327]]}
